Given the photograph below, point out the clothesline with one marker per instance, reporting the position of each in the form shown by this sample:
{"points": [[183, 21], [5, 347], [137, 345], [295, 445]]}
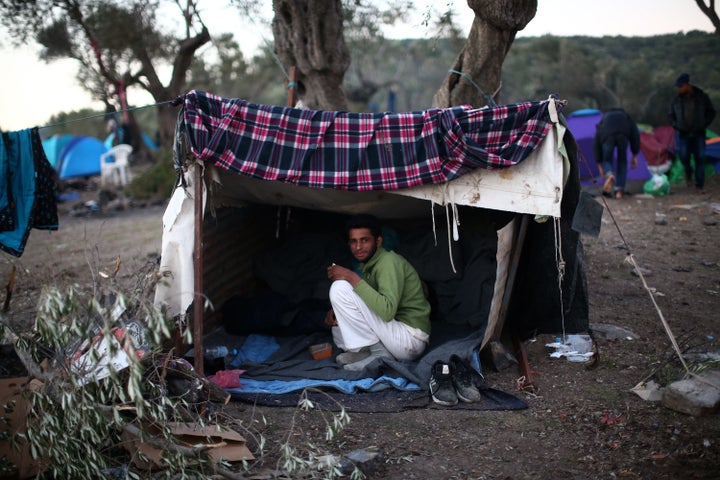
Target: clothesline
{"points": [[98, 115]]}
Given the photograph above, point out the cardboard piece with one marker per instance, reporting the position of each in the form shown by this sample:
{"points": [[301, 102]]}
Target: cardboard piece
{"points": [[227, 445], [11, 389]]}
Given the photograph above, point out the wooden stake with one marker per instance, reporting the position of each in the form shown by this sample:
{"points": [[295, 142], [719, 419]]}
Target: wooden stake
{"points": [[292, 88], [9, 289]]}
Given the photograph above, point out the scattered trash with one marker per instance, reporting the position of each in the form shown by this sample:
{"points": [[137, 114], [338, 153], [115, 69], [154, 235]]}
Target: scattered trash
{"points": [[649, 391], [576, 348], [660, 218], [606, 419], [97, 358], [657, 185], [612, 332]]}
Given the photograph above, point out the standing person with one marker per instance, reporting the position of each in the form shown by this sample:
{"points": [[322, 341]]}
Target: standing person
{"points": [[691, 112], [384, 312], [614, 132]]}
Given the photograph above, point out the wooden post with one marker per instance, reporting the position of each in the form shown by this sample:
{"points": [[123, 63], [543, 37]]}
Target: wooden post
{"points": [[292, 88], [199, 297]]}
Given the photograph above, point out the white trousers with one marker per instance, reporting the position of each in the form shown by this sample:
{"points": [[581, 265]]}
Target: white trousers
{"points": [[359, 327]]}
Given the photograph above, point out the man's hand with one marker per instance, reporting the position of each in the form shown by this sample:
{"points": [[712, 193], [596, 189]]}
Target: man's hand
{"points": [[330, 319], [336, 272], [633, 163]]}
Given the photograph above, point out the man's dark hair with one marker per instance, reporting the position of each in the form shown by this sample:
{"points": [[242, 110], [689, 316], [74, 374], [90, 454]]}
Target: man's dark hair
{"points": [[364, 220]]}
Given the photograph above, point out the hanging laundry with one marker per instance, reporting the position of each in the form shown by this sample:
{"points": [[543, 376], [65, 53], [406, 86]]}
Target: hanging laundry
{"points": [[359, 151], [31, 189]]}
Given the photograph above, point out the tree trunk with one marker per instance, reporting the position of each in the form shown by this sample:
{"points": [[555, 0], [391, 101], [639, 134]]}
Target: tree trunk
{"points": [[709, 11], [480, 61], [309, 35], [167, 115]]}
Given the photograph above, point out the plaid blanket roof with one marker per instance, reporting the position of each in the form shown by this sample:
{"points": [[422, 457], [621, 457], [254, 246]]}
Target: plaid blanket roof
{"points": [[359, 151]]}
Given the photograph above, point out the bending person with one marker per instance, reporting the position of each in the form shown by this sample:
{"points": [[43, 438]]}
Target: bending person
{"points": [[384, 312], [614, 133]]}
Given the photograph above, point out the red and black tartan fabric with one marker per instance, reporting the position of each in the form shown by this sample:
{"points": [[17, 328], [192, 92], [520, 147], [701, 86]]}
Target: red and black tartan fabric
{"points": [[359, 151]]}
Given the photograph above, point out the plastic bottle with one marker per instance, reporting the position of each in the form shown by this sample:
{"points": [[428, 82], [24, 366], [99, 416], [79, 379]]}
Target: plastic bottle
{"points": [[218, 351]]}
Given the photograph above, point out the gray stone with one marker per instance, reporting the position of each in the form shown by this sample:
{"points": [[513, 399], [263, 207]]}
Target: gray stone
{"points": [[612, 332], [500, 357], [694, 396], [366, 460]]}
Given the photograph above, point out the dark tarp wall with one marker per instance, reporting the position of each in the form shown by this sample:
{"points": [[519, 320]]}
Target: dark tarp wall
{"points": [[535, 305]]}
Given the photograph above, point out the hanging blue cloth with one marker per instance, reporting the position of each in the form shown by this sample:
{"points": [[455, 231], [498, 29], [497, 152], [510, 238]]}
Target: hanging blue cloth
{"points": [[31, 188]]}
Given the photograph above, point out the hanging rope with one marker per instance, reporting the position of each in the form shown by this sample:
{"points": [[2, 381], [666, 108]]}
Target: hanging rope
{"points": [[560, 262], [98, 115], [488, 98], [631, 259]]}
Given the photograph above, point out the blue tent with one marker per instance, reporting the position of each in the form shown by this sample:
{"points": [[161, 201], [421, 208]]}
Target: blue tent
{"points": [[54, 145], [149, 143], [80, 158]]}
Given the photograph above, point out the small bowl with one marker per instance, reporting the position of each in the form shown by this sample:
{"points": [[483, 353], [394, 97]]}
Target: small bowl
{"points": [[321, 350]]}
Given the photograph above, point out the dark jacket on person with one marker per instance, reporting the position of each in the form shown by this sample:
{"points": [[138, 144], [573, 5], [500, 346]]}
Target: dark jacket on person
{"points": [[702, 115], [616, 121]]}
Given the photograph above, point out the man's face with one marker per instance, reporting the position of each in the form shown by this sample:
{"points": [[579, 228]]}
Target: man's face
{"points": [[362, 244], [684, 89]]}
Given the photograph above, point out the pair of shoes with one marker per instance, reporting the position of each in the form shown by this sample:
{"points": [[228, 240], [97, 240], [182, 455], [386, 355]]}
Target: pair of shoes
{"points": [[374, 352], [464, 380], [441, 387], [352, 357], [609, 182], [453, 382]]}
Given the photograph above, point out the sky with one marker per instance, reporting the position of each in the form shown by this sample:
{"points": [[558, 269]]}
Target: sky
{"points": [[34, 90]]}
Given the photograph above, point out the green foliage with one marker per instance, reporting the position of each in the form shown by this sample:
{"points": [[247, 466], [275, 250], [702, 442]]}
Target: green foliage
{"points": [[155, 182], [106, 381], [74, 422], [636, 73]]}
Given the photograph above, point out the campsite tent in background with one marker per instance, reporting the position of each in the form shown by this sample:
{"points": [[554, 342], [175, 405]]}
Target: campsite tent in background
{"points": [[80, 158], [712, 151], [420, 172], [582, 125], [149, 143], [54, 146]]}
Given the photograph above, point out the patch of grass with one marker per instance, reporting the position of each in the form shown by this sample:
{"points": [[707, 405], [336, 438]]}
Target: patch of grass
{"points": [[156, 181]]}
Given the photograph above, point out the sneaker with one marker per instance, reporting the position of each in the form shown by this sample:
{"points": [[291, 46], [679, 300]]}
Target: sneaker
{"points": [[441, 387], [374, 352], [352, 357], [463, 380]]}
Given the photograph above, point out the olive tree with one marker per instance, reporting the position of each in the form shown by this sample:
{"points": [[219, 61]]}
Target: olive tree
{"points": [[117, 44], [480, 61]]}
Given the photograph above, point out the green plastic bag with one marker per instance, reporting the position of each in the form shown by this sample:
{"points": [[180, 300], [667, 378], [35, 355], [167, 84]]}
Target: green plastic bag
{"points": [[657, 185]]}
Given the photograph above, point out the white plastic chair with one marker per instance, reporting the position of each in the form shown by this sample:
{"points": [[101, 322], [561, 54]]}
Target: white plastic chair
{"points": [[114, 165]]}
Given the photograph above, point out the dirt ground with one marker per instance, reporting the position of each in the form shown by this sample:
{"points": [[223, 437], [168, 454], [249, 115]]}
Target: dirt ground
{"points": [[581, 424]]}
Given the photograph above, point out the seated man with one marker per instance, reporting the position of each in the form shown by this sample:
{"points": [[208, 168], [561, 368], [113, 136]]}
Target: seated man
{"points": [[384, 313]]}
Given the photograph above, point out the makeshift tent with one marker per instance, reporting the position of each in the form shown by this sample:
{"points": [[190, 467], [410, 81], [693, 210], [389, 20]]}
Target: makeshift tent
{"points": [[54, 145], [582, 124], [80, 158], [480, 201]]}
